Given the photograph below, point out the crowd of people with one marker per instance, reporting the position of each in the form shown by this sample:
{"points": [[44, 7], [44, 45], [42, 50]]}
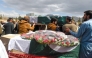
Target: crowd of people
{"points": [[70, 23], [83, 32], [24, 26], [13, 27]]}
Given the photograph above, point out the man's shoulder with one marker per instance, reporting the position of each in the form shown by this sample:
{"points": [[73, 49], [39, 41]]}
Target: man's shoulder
{"points": [[67, 24], [9, 24], [70, 25], [86, 22], [50, 24], [73, 25], [27, 24], [6, 24]]}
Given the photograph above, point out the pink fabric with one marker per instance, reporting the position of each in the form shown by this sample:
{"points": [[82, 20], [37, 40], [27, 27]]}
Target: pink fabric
{"points": [[14, 55]]}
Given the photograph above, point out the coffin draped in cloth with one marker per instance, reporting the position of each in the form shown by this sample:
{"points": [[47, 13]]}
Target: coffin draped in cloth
{"points": [[44, 50]]}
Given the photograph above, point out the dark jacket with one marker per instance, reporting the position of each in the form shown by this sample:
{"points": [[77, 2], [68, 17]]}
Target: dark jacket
{"points": [[16, 29], [8, 28]]}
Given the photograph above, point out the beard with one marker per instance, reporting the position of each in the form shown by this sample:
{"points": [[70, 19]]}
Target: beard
{"points": [[85, 19]]}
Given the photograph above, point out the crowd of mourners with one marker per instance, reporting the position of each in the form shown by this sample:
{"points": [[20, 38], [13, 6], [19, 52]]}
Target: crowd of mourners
{"points": [[13, 27], [83, 31], [24, 26]]}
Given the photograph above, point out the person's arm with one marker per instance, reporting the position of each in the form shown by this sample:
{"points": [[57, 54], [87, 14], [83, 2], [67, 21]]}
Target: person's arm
{"points": [[4, 27], [30, 27], [63, 28], [74, 28], [80, 32], [52, 27], [12, 28]]}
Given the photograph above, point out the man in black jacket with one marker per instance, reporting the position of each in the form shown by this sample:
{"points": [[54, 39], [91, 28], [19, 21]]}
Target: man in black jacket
{"points": [[9, 27]]}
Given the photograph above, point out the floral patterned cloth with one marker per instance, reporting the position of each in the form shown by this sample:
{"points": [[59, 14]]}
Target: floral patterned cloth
{"points": [[28, 35], [52, 37]]}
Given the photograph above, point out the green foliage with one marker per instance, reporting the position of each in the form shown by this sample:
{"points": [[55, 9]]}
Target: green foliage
{"points": [[19, 17], [0, 16]]}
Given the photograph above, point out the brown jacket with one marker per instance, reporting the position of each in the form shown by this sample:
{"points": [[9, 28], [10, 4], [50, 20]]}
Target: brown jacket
{"points": [[24, 27], [51, 26], [72, 27]]}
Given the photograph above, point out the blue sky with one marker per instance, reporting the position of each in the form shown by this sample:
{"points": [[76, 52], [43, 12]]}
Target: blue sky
{"points": [[5, 9]]}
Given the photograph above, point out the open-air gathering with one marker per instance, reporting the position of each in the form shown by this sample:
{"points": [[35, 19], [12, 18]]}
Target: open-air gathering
{"points": [[45, 29]]}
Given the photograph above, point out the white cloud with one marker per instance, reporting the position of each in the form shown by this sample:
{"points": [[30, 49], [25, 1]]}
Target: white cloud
{"points": [[11, 14], [73, 7]]}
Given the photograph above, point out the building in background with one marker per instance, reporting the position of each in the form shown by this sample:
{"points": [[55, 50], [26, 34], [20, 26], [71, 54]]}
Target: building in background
{"points": [[30, 14]]}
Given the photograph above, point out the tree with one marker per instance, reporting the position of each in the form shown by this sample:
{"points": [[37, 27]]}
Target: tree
{"points": [[19, 17], [79, 20], [0, 16]]}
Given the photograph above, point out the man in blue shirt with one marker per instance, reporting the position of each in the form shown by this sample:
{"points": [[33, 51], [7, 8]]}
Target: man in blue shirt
{"points": [[85, 35]]}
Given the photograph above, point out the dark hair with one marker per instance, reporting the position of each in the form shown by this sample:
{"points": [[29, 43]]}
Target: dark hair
{"points": [[23, 19], [53, 20], [10, 19], [88, 12], [69, 18]]}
